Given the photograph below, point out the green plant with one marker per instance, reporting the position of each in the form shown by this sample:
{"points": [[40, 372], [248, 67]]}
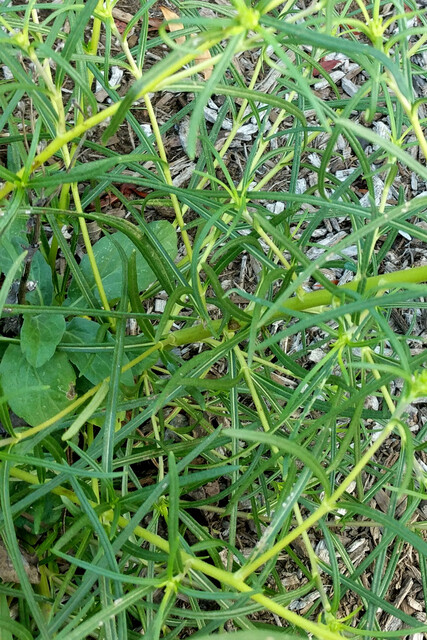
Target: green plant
{"points": [[121, 430]]}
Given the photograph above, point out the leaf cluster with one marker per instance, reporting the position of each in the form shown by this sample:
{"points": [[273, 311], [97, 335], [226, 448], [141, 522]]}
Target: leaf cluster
{"points": [[173, 467]]}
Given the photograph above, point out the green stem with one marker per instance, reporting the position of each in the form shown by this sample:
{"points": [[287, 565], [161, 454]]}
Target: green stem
{"points": [[258, 404], [89, 251], [323, 297], [224, 577], [327, 505], [56, 100], [167, 174], [200, 333], [81, 128], [411, 113], [315, 573], [156, 431]]}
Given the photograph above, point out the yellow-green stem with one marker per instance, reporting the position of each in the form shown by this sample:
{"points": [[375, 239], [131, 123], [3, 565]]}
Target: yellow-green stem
{"points": [[247, 375], [81, 128], [411, 113], [167, 174], [315, 573], [56, 100], [367, 353], [224, 577], [89, 250], [154, 424], [327, 505], [200, 333]]}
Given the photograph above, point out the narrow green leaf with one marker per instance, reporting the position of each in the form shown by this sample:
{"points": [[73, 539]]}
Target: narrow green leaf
{"points": [[93, 366], [110, 421], [208, 89], [109, 265], [252, 635], [15, 554], [174, 563], [98, 619], [8, 281], [286, 445], [146, 83], [87, 412], [8, 176], [299, 34], [76, 34], [85, 171]]}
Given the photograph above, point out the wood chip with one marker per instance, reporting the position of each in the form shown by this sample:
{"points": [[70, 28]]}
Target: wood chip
{"points": [[173, 26], [414, 604], [7, 570], [123, 16], [349, 87], [403, 592]]}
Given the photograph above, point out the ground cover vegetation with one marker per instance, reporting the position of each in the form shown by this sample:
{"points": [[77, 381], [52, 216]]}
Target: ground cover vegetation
{"points": [[212, 257]]}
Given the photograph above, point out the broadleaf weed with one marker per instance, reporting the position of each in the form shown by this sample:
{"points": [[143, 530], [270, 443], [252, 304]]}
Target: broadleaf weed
{"points": [[209, 395]]}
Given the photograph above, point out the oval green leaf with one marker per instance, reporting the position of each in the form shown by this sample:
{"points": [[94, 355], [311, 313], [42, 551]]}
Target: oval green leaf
{"points": [[40, 335], [110, 266], [36, 394], [93, 366]]}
